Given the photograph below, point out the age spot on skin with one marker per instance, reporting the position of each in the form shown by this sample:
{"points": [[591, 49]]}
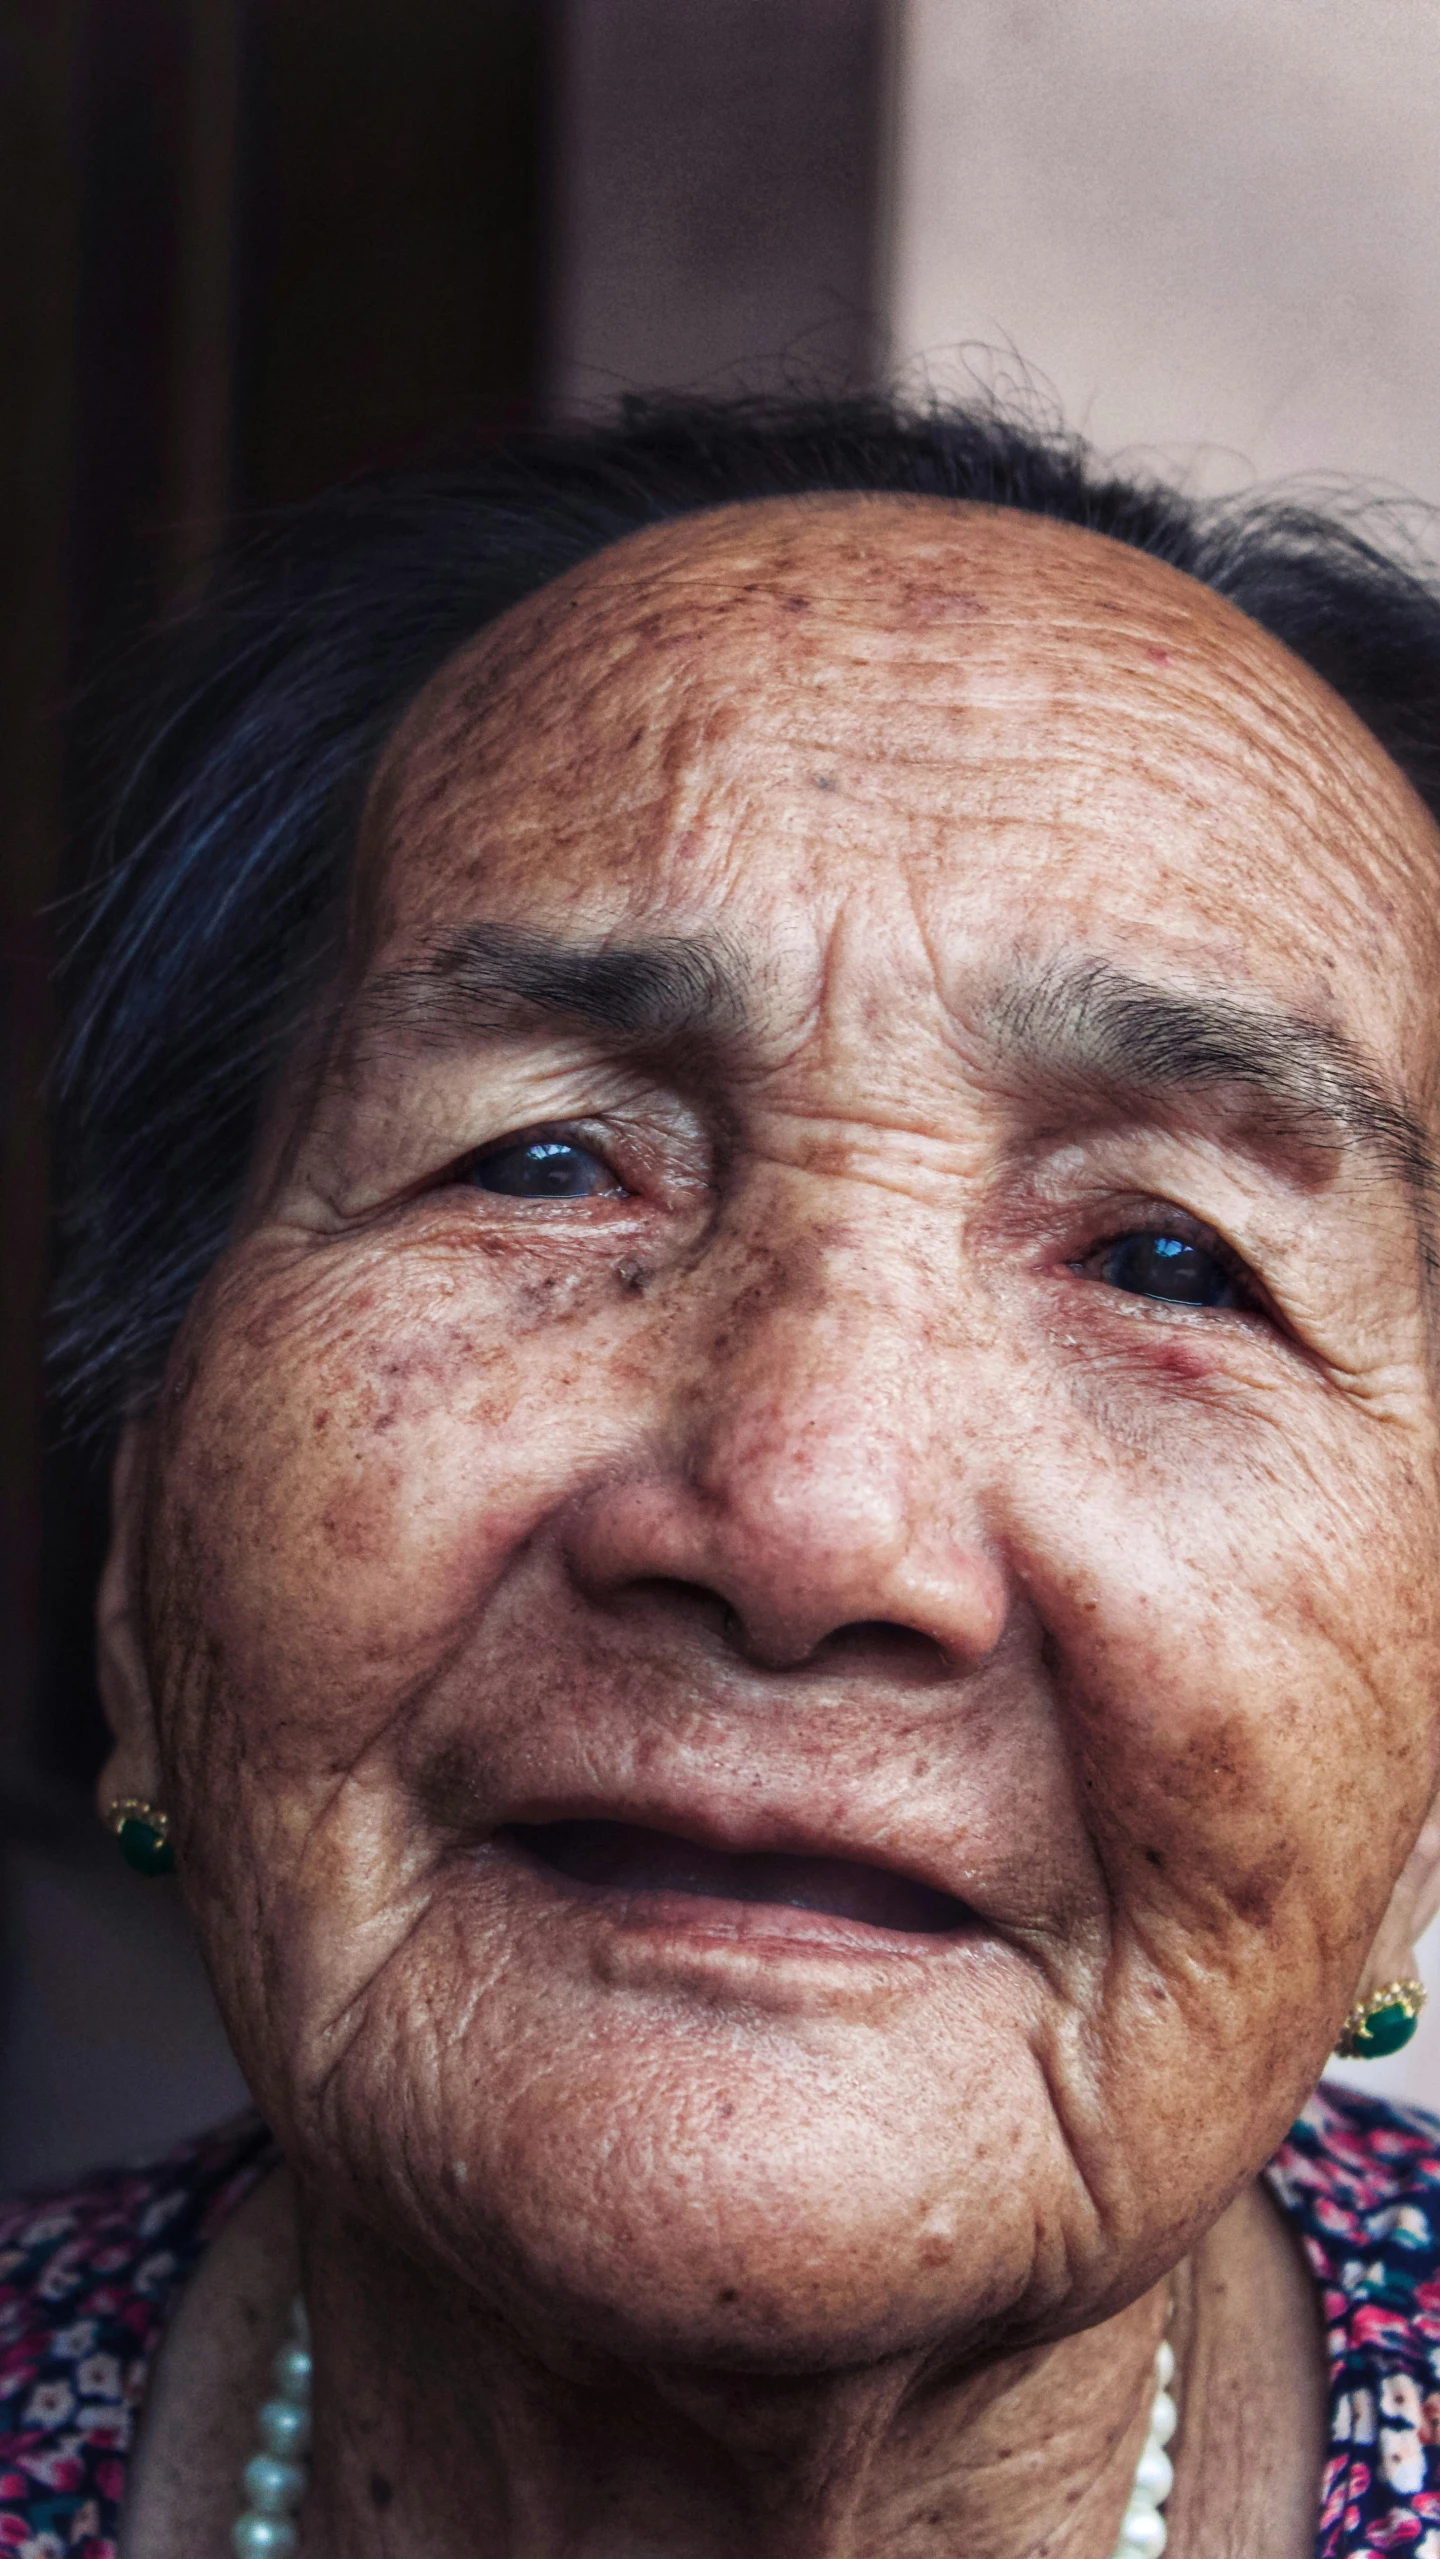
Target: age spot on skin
{"points": [[1187, 1365], [1254, 1898]]}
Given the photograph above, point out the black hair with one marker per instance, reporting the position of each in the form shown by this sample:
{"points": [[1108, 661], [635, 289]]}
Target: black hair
{"points": [[228, 848]]}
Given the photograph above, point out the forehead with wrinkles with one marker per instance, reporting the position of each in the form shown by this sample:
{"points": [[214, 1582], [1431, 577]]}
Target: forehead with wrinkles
{"points": [[817, 695]]}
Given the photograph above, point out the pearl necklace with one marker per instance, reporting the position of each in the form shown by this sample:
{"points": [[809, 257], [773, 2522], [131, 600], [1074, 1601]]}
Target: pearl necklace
{"points": [[1142, 2533], [276, 2477]]}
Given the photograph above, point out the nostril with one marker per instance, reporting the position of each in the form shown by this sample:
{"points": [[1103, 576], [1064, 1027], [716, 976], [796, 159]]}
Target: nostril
{"points": [[681, 1604], [875, 1646]]}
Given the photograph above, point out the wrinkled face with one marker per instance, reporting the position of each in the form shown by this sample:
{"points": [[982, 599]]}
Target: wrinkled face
{"points": [[788, 1568]]}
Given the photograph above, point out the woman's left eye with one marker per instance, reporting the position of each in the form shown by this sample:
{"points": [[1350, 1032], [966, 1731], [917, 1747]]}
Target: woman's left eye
{"points": [[1171, 1268], [543, 1168]]}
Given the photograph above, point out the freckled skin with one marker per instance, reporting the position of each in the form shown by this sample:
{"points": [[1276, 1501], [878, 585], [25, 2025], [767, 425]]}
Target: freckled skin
{"points": [[813, 1480]]}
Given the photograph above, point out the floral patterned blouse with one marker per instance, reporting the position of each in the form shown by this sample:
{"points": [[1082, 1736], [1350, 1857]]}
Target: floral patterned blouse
{"points": [[88, 2275]]}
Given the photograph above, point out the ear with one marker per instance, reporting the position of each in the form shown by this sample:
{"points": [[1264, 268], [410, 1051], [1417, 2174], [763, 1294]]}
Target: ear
{"points": [[133, 1767], [1412, 1905]]}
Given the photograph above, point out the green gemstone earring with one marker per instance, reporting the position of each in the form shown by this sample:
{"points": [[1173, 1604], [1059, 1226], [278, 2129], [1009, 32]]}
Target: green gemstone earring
{"points": [[143, 1833], [1383, 2023]]}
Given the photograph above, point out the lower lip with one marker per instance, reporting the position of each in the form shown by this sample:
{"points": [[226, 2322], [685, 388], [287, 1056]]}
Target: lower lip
{"points": [[754, 1928]]}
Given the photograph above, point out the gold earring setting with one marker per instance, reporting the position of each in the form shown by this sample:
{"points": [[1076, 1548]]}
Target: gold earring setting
{"points": [[143, 1833], [1383, 2023]]}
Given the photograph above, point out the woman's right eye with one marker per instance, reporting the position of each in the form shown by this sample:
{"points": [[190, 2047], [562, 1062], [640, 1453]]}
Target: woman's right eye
{"points": [[544, 1168]]}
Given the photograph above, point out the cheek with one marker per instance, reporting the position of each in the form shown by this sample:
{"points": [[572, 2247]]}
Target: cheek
{"points": [[343, 1482], [1245, 1662]]}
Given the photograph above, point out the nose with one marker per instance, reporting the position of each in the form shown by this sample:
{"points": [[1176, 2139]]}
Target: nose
{"points": [[800, 1498]]}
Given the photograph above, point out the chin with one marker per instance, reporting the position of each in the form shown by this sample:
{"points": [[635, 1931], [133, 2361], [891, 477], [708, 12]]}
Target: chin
{"points": [[697, 2199]]}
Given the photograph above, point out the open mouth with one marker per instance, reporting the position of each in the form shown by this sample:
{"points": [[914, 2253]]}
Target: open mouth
{"points": [[625, 1859]]}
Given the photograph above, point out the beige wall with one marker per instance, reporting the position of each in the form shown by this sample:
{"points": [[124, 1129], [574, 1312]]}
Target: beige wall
{"points": [[1209, 224], [1207, 221]]}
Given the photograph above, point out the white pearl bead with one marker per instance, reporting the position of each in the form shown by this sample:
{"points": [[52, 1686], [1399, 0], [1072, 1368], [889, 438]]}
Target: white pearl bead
{"points": [[1155, 2477], [1162, 2417], [292, 2373], [284, 2428], [1142, 2534], [263, 2537], [272, 2486], [1165, 2364]]}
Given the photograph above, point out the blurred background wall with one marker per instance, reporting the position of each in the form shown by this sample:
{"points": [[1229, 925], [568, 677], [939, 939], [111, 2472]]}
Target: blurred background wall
{"points": [[250, 246], [1209, 223]]}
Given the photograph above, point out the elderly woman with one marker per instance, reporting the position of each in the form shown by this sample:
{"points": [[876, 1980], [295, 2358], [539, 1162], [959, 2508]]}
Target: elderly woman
{"points": [[755, 1194]]}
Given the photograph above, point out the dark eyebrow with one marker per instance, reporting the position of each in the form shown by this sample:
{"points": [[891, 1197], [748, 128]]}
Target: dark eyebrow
{"points": [[663, 993], [1089, 1023]]}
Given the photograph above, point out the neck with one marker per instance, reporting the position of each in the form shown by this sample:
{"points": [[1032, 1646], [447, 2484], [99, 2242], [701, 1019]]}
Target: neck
{"points": [[508, 2445], [439, 2431]]}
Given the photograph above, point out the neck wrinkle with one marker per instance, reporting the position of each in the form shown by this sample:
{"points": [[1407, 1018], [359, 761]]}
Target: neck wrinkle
{"points": [[533, 2450]]}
